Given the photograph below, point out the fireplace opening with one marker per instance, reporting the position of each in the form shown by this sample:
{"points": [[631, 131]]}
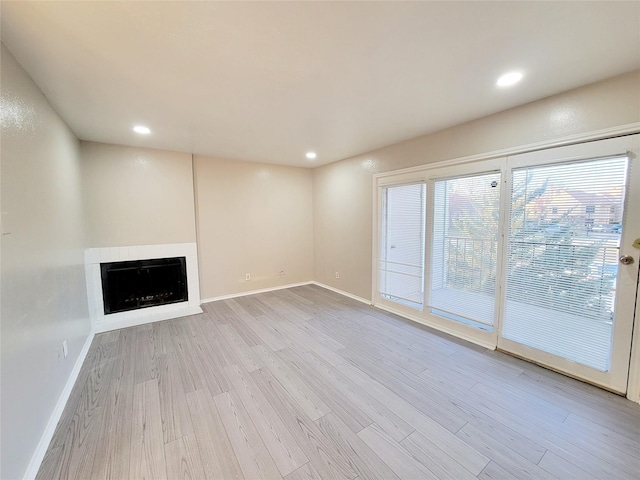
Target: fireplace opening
{"points": [[143, 283]]}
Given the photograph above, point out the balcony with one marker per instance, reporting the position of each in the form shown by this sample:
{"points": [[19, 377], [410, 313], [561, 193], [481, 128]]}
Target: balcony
{"points": [[566, 310]]}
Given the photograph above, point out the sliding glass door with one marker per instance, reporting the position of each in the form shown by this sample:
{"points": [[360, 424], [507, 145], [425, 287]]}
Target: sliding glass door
{"points": [[564, 244], [532, 254], [568, 300], [437, 247]]}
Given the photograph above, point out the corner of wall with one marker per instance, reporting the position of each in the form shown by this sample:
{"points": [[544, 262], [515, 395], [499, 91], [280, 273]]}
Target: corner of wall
{"points": [[43, 288]]}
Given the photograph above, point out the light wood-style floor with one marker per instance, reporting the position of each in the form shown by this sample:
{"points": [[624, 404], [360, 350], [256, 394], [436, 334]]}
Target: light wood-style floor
{"points": [[307, 384]]}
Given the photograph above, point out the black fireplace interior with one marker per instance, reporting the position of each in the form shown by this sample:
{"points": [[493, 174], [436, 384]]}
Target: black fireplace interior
{"points": [[143, 283]]}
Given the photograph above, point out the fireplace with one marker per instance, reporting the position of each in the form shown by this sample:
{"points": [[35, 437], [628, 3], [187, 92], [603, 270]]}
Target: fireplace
{"points": [[108, 306], [131, 285]]}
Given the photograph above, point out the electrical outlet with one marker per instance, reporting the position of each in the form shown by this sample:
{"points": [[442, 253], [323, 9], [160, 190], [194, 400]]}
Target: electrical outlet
{"points": [[337, 274], [247, 276], [65, 349]]}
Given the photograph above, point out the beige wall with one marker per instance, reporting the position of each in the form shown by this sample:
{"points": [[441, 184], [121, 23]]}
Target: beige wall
{"points": [[43, 288], [343, 190], [137, 196], [252, 218]]}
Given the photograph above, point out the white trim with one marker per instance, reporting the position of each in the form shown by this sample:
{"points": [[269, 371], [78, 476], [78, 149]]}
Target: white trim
{"points": [[375, 239], [633, 384], [47, 435], [103, 323], [343, 293], [442, 328], [397, 179], [560, 364], [163, 312], [253, 292], [628, 129], [416, 177]]}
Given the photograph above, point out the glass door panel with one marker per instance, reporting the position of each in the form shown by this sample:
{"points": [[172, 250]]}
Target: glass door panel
{"points": [[564, 242], [464, 249], [401, 245], [568, 300]]}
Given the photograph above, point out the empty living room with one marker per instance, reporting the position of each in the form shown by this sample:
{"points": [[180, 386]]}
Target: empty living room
{"points": [[310, 240]]}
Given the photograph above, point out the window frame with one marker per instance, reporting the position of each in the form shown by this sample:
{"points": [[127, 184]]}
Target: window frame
{"points": [[381, 183], [429, 174]]}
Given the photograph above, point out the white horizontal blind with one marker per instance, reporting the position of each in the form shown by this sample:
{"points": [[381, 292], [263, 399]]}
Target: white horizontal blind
{"points": [[563, 248], [401, 246], [465, 248]]}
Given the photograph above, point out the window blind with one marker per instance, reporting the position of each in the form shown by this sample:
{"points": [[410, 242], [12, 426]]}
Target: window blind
{"points": [[401, 246], [562, 257], [464, 248]]}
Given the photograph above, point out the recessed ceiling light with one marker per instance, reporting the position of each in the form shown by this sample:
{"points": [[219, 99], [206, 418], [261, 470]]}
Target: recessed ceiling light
{"points": [[509, 79], [141, 129], [311, 155]]}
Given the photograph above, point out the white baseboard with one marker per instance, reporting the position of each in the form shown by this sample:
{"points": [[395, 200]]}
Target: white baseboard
{"points": [[342, 292], [253, 292], [47, 435], [156, 316], [283, 287]]}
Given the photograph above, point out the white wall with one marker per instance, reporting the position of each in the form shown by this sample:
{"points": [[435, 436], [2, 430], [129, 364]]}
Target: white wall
{"points": [[252, 218], [137, 196], [43, 288]]}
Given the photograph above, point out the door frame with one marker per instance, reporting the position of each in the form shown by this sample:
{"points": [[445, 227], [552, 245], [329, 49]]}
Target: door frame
{"points": [[468, 332], [615, 379], [633, 384], [391, 180]]}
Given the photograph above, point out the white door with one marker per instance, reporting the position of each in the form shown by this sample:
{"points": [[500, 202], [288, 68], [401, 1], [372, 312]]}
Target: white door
{"points": [[569, 300]]}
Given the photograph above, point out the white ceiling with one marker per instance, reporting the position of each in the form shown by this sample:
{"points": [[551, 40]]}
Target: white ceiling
{"points": [[268, 81]]}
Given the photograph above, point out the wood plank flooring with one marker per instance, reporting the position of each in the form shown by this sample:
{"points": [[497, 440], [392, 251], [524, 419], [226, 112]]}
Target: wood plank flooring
{"points": [[307, 384]]}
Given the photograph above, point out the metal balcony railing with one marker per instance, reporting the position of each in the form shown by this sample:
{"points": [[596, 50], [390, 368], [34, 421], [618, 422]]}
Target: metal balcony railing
{"points": [[556, 275]]}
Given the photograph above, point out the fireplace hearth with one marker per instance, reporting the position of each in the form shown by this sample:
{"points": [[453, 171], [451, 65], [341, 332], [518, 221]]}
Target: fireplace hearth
{"points": [[132, 285]]}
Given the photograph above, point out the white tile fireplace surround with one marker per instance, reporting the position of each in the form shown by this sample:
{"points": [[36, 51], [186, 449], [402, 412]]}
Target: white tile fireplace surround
{"points": [[95, 256]]}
